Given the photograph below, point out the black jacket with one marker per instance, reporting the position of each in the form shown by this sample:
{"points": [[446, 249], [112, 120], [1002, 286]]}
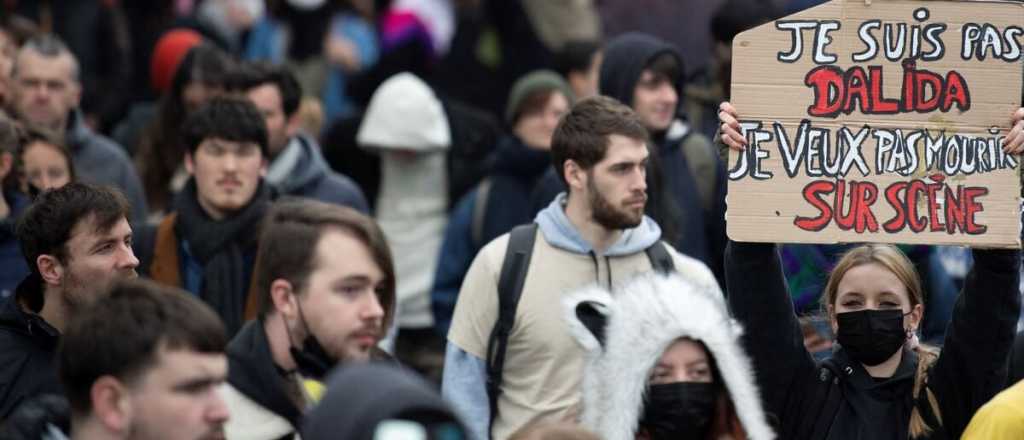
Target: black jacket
{"points": [[27, 349], [969, 372], [252, 371]]}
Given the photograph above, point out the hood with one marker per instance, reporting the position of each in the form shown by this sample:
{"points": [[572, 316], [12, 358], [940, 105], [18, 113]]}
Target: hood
{"points": [[16, 320], [298, 165], [405, 114], [560, 232], [624, 336], [514, 158], [251, 370], [360, 396], [626, 56]]}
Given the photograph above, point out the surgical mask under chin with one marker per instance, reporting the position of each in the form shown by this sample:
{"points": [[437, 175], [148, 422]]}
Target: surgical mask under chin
{"points": [[871, 336], [678, 410], [311, 360]]}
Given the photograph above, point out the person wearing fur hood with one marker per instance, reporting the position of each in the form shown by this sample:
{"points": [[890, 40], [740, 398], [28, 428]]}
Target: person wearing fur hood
{"points": [[664, 360]]}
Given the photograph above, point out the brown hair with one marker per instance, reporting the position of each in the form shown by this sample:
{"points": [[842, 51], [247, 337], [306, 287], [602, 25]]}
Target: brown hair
{"points": [[122, 335], [288, 241], [895, 261], [582, 134]]}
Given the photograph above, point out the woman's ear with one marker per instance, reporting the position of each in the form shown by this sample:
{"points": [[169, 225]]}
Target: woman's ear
{"points": [[914, 318]]}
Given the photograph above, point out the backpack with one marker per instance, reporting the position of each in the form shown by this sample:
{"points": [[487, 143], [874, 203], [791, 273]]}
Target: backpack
{"points": [[510, 288]]}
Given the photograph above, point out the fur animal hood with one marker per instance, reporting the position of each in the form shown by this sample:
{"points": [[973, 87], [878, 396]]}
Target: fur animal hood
{"points": [[624, 335]]}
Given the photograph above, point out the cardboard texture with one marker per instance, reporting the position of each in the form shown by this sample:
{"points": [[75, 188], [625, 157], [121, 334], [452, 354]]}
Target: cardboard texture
{"points": [[939, 89]]}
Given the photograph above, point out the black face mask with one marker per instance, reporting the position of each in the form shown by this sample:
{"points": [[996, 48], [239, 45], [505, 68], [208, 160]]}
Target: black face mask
{"points": [[679, 410], [312, 360], [871, 336]]}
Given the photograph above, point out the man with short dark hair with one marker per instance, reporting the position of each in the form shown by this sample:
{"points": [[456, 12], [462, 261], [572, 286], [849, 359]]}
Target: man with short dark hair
{"points": [[145, 363], [596, 232], [297, 168], [207, 245], [76, 241], [326, 281], [46, 91]]}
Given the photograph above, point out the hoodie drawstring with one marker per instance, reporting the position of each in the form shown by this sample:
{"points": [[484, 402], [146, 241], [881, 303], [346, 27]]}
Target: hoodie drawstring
{"points": [[597, 269]]}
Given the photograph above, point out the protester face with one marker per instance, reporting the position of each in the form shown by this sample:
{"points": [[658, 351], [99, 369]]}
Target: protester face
{"points": [[44, 89], [95, 260], [655, 100], [227, 174], [683, 361], [864, 291], [536, 128], [267, 98], [340, 303], [681, 396], [617, 186], [177, 398], [45, 166]]}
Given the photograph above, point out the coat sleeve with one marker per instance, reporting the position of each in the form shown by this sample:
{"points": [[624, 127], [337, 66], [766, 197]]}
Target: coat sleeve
{"points": [[464, 386], [972, 366], [759, 299]]}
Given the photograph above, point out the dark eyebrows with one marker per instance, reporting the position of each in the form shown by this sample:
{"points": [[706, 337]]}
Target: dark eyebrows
{"points": [[197, 383]]}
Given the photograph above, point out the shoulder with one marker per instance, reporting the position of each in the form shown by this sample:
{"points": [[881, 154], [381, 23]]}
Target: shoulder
{"points": [[100, 145]]}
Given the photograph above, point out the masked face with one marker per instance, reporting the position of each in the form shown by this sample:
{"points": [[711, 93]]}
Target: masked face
{"points": [[680, 402], [872, 314]]}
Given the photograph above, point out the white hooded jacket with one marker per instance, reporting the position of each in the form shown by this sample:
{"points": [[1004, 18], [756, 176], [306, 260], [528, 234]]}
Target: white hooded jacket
{"points": [[628, 334]]}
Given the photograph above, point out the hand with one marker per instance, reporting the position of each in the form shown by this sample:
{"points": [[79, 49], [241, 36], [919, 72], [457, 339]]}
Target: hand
{"points": [[730, 127], [1014, 142]]}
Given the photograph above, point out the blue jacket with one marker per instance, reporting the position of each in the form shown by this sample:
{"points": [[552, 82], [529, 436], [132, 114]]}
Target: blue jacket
{"points": [[12, 264], [514, 170]]}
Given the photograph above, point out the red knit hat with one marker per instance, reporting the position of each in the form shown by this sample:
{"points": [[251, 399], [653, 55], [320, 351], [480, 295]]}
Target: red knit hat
{"points": [[168, 52]]}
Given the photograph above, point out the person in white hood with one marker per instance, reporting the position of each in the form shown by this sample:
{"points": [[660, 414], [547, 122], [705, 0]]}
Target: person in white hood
{"points": [[406, 124], [664, 361]]}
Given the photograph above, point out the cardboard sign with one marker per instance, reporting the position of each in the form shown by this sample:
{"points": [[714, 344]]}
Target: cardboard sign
{"points": [[879, 122]]}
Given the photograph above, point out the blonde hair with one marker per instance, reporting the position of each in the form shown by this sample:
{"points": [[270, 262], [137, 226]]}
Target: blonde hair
{"points": [[895, 261]]}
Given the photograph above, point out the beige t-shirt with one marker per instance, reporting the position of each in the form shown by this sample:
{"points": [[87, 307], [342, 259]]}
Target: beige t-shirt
{"points": [[543, 363]]}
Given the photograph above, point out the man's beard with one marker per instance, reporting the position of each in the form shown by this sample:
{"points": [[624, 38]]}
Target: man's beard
{"points": [[605, 214], [79, 292]]}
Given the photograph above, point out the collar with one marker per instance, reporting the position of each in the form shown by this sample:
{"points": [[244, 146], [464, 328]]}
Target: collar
{"points": [[282, 165]]}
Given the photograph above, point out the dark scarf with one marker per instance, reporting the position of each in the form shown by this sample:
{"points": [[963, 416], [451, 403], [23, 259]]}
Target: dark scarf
{"points": [[220, 247]]}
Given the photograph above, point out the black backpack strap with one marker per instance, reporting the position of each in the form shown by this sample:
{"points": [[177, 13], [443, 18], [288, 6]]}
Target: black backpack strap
{"points": [[828, 394], [510, 288], [661, 260]]}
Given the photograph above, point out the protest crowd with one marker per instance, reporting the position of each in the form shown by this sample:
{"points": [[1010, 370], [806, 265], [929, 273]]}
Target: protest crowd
{"points": [[445, 220]]}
